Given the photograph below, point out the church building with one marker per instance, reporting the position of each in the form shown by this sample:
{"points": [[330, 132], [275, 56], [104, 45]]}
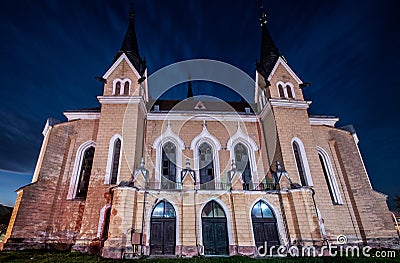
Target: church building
{"points": [[139, 176]]}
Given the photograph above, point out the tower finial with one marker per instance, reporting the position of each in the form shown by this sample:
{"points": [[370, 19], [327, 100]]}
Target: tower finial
{"points": [[263, 15], [132, 11]]}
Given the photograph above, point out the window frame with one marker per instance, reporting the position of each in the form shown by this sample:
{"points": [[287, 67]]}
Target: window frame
{"points": [[304, 161], [74, 181], [110, 159]]}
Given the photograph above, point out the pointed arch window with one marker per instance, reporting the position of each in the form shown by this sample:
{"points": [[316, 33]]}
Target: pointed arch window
{"points": [[289, 92], [126, 88], [206, 166], [115, 161], [299, 164], [117, 88], [243, 164], [330, 177], [281, 92], [168, 165], [84, 174]]}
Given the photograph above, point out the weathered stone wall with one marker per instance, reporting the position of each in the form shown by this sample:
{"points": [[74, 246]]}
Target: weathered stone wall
{"points": [[42, 214]]}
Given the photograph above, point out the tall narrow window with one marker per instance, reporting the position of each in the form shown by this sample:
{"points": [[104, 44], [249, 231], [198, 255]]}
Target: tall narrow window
{"points": [[117, 88], [281, 92], [243, 164], [168, 168], [115, 161], [330, 179], [84, 174], [206, 166], [299, 164], [289, 91], [126, 88]]}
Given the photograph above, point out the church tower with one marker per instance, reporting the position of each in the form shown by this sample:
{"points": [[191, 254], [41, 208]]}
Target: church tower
{"points": [[119, 144]]}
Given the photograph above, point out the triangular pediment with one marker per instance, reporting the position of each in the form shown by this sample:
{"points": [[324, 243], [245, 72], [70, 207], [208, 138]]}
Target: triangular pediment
{"points": [[121, 58], [200, 106], [282, 62]]}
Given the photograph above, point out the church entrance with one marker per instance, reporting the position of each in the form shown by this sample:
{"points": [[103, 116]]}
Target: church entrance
{"points": [[215, 234], [163, 229], [264, 226]]}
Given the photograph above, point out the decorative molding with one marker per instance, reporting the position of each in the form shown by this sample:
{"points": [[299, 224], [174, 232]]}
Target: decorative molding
{"points": [[356, 140], [47, 128], [196, 116], [168, 136], [284, 87], [331, 176], [122, 87], [123, 100], [77, 115], [107, 179], [296, 104], [323, 121], [241, 137], [304, 160], [200, 106], [116, 64], [288, 69], [77, 165], [206, 136]]}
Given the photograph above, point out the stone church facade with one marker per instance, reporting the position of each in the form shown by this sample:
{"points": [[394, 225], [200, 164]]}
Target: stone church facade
{"points": [[195, 177]]}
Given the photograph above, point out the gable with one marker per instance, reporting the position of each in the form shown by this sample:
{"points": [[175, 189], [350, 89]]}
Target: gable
{"points": [[282, 63], [114, 66]]}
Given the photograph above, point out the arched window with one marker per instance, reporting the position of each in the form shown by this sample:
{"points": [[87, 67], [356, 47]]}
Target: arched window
{"points": [[206, 166], [84, 174], [264, 225], [299, 164], [330, 177], [162, 229], [126, 88], [115, 161], [214, 229], [243, 164], [163, 210], [289, 91], [117, 88], [168, 164], [281, 92]]}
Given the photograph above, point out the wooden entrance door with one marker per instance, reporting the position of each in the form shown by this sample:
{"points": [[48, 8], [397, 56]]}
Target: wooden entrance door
{"points": [[162, 237], [215, 233], [163, 229], [264, 226]]}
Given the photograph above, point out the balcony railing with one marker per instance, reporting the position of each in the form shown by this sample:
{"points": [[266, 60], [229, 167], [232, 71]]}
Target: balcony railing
{"points": [[169, 185]]}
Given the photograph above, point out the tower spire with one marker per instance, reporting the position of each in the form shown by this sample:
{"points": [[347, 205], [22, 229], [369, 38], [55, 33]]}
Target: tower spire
{"points": [[190, 89], [269, 52], [130, 45]]}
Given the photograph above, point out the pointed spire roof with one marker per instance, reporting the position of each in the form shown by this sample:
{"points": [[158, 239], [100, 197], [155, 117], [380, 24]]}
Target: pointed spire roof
{"points": [[190, 89], [269, 52], [130, 45]]}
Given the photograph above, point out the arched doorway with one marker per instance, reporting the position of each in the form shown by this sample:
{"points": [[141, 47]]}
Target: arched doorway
{"points": [[264, 225], [162, 231], [215, 233]]}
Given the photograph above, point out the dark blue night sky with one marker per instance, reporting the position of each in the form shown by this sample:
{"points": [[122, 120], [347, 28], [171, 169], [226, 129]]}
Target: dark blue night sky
{"points": [[52, 50]]}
